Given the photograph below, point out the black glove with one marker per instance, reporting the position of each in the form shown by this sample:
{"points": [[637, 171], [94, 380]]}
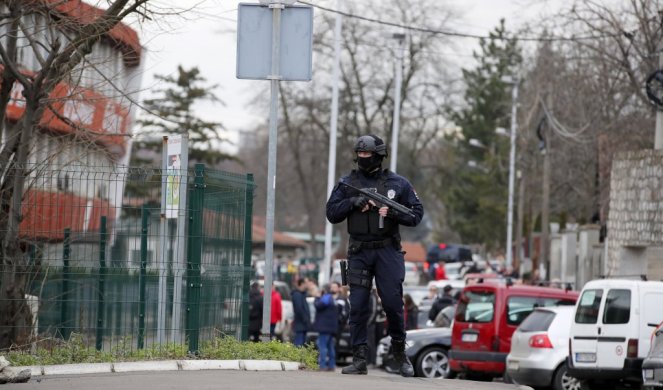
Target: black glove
{"points": [[359, 202]]}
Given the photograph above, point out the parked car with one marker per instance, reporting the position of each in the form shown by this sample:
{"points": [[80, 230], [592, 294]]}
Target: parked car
{"points": [[448, 253], [487, 314], [454, 270], [611, 332], [652, 366], [411, 274], [427, 349], [539, 350], [343, 343]]}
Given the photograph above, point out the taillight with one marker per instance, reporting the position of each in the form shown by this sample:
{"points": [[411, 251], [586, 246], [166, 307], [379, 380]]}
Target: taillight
{"points": [[632, 349], [540, 341]]}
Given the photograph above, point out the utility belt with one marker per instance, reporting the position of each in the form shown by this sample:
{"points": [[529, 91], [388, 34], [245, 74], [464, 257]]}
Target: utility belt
{"points": [[356, 245]]}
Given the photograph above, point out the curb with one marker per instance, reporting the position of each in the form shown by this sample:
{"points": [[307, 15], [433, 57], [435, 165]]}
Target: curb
{"points": [[161, 365]]}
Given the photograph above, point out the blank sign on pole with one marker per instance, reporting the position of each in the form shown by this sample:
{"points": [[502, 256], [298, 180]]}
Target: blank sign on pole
{"points": [[254, 43]]}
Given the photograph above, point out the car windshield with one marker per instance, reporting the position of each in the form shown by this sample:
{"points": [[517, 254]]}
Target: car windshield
{"points": [[476, 306]]}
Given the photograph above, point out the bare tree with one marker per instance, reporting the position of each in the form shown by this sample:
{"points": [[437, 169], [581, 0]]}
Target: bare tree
{"points": [[59, 48]]}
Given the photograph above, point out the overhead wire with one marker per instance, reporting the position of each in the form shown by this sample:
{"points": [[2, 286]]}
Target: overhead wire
{"points": [[456, 33]]}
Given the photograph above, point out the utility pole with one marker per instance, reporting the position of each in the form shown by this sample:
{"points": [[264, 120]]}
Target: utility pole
{"points": [[545, 206], [658, 137], [324, 276], [397, 101], [519, 224], [512, 174]]}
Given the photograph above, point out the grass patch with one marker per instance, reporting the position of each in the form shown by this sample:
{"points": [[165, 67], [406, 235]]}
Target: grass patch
{"points": [[222, 348]]}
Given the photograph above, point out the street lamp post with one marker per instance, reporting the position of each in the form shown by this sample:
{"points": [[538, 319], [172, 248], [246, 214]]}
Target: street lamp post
{"points": [[512, 174], [397, 101]]}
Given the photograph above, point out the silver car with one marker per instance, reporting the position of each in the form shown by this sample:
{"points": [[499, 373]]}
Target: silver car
{"points": [[652, 366], [540, 347]]}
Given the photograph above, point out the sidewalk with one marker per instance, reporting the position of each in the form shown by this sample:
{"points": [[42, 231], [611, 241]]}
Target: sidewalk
{"points": [[248, 380]]}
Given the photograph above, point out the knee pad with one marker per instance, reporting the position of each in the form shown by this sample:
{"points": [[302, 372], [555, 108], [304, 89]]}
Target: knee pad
{"points": [[360, 277]]}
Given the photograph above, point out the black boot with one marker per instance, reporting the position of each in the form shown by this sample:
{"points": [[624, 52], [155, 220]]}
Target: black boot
{"points": [[358, 366], [403, 363]]}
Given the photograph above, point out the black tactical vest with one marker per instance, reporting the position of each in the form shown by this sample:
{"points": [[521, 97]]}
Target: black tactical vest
{"points": [[367, 224]]}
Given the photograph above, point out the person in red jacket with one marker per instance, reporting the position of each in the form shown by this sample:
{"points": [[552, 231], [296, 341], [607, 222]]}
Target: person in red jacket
{"points": [[277, 312], [440, 272]]}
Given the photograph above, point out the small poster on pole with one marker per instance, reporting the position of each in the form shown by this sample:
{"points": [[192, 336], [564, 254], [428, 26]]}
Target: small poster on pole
{"points": [[173, 175]]}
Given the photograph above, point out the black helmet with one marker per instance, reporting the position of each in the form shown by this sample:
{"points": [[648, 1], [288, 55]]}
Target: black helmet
{"points": [[371, 143]]}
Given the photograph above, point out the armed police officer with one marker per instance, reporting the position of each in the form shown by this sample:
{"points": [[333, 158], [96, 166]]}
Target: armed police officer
{"points": [[374, 248]]}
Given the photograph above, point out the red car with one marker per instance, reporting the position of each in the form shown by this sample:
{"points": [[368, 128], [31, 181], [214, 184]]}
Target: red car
{"points": [[487, 314]]}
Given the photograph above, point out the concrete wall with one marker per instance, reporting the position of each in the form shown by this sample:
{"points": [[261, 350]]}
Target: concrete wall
{"points": [[635, 220], [588, 238]]}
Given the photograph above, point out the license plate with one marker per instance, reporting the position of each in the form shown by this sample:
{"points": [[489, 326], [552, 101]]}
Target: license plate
{"points": [[648, 374], [513, 366], [585, 357], [470, 337]]}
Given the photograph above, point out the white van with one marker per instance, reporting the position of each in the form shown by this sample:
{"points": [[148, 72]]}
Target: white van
{"points": [[611, 330]]}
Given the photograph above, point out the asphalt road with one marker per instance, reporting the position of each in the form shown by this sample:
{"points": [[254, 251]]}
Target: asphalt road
{"points": [[247, 380]]}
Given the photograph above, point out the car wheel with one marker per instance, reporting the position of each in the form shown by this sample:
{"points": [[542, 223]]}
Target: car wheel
{"points": [[433, 362], [563, 381]]}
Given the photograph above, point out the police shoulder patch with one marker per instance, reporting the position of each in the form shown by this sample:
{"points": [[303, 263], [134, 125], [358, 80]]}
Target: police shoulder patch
{"points": [[391, 194]]}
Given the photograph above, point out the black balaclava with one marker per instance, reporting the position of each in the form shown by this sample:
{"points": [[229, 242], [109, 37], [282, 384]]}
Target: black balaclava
{"points": [[369, 164]]}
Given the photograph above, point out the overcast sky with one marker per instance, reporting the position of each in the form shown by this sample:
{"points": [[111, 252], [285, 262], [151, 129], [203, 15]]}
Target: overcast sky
{"points": [[206, 38]]}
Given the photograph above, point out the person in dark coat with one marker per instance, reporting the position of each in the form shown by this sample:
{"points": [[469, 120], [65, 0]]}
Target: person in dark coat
{"points": [[302, 321], [326, 324], [255, 312], [440, 303]]}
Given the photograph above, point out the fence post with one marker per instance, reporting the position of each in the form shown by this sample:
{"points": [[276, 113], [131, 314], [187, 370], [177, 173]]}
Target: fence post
{"points": [[101, 292], [145, 214], [65, 330], [195, 247], [248, 225]]}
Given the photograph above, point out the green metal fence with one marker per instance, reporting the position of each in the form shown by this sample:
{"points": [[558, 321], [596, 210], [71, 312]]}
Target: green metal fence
{"points": [[98, 258]]}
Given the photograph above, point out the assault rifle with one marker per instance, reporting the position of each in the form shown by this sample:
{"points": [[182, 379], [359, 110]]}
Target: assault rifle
{"points": [[379, 199]]}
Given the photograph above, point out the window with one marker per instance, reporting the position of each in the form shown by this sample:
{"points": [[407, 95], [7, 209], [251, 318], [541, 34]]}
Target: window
{"points": [[518, 308], [476, 306], [588, 308], [538, 321], [617, 307]]}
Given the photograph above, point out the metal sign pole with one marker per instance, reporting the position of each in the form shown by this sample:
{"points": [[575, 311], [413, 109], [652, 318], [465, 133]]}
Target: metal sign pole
{"points": [[324, 276], [271, 168], [179, 261], [161, 249]]}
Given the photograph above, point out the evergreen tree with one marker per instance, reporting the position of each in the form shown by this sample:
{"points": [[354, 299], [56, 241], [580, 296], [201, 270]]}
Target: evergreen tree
{"points": [[172, 113], [476, 196]]}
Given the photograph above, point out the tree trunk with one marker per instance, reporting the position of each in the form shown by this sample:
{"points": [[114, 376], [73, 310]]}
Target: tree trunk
{"points": [[16, 322]]}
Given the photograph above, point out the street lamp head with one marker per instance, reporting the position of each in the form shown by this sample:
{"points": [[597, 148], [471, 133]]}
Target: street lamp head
{"points": [[476, 143], [510, 80], [502, 131]]}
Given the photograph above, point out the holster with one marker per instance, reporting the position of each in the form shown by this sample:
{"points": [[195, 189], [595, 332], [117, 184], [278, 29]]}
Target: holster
{"points": [[344, 272]]}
